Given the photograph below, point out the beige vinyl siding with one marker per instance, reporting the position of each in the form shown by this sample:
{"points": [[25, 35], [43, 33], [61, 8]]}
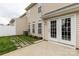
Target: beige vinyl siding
{"points": [[21, 25], [46, 30], [34, 18], [47, 7], [77, 30], [32, 14]]}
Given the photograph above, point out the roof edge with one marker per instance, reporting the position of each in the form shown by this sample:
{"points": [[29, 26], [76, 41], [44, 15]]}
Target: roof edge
{"points": [[22, 15], [61, 8], [47, 15], [30, 6]]}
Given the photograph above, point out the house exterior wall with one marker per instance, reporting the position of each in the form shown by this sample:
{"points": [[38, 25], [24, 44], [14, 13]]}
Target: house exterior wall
{"points": [[34, 18], [47, 7], [77, 30], [21, 25], [46, 30]]}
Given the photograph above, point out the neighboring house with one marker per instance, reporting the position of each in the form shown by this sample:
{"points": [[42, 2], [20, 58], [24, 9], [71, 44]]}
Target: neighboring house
{"points": [[1, 24], [21, 24], [55, 22], [11, 22]]}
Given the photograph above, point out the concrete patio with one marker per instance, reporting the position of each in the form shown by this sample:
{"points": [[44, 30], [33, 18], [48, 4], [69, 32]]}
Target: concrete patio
{"points": [[44, 48]]}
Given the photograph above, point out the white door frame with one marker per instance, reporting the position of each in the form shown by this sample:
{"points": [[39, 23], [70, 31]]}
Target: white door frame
{"points": [[59, 37]]}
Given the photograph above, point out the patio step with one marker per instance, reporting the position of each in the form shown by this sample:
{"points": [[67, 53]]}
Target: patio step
{"points": [[23, 42], [16, 44], [20, 43], [27, 41], [38, 41]]}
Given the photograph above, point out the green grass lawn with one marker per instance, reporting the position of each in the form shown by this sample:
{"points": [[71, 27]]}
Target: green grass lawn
{"points": [[10, 43]]}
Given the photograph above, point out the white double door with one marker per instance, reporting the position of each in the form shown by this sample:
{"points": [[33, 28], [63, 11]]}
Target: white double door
{"points": [[59, 30]]}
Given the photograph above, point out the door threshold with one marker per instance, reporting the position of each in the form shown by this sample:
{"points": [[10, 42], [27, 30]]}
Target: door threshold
{"points": [[62, 44]]}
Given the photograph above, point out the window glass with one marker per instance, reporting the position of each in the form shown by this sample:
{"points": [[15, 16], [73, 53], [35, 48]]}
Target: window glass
{"points": [[39, 28], [53, 29], [39, 9], [66, 29], [33, 29]]}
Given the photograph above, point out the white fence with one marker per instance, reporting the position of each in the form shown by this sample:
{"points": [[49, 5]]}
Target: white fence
{"points": [[7, 30]]}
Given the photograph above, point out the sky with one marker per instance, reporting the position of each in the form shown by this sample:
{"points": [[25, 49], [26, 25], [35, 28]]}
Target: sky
{"points": [[11, 9]]}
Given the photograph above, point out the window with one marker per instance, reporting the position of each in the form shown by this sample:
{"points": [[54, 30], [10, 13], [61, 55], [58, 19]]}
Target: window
{"points": [[66, 29], [33, 29], [53, 29], [39, 28], [39, 9], [29, 28]]}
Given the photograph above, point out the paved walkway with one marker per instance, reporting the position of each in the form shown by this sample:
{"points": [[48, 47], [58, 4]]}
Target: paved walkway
{"points": [[44, 48]]}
